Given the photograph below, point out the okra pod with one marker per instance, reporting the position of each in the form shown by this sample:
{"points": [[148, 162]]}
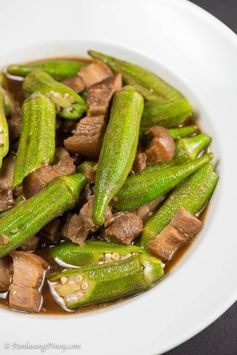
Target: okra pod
{"points": [[8, 101], [120, 140], [95, 284], [168, 114], [147, 83], [149, 185], [85, 166], [70, 104], [26, 219], [37, 139], [186, 149], [192, 194], [4, 136], [182, 132], [58, 69], [93, 252]]}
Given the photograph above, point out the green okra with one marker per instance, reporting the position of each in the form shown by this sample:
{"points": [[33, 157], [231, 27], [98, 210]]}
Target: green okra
{"points": [[70, 104], [147, 83], [149, 185], [186, 149], [37, 139], [28, 218], [118, 149], [192, 194], [90, 285], [168, 114], [182, 132], [8, 101], [85, 166], [93, 252], [57, 68], [4, 135]]}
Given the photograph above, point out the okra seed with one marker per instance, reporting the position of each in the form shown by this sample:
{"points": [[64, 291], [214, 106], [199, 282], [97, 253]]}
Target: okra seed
{"points": [[108, 255], [115, 256], [79, 295], [79, 278], [64, 280], [100, 262], [84, 285], [72, 297]]}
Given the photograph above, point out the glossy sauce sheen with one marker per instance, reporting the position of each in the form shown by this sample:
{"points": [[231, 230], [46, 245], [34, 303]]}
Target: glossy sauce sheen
{"points": [[50, 307]]}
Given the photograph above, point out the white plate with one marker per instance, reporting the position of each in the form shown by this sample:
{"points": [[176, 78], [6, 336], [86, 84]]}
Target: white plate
{"points": [[198, 54]]}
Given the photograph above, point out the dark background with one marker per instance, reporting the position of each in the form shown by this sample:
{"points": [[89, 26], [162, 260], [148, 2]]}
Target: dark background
{"points": [[221, 337]]}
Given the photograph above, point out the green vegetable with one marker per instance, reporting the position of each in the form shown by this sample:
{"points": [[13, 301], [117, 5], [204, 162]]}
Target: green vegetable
{"points": [[183, 131], [93, 252], [192, 194], [57, 68], [70, 104], [26, 219], [118, 150], [94, 284], [168, 114], [149, 185], [4, 136], [8, 101], [147, 83], [37, 140], [186, 149], [85, 166]]}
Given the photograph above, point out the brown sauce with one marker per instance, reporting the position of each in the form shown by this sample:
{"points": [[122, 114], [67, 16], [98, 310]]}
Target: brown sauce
{"points": [[50, 306]]}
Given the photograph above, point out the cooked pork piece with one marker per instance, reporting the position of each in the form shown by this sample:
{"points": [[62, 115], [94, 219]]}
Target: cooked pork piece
{"points": [[29, 269], [88, 137], [61, 153], [181, 229], [75, 229], [75, 83], [26, 299], [31, 244], [28, 275], [123, 227], [51, 231], [40, 177], [6, 199], [5, 273], [161, 147], [99, 95], [186, 223], [94, 73], [146, 211]]}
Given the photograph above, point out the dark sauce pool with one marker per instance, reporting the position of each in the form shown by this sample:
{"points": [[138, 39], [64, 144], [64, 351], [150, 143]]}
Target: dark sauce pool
{"points": [[50, 306]]}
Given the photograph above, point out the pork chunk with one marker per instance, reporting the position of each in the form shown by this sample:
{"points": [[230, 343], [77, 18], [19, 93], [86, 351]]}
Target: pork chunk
{"points": [[88, 137], [146, 211], [29, 269], [51, 231], [139, 162], [26, 299], [31, 244], [75, 229], [40, 177], [181, 229], [5, 274], [75, 83], [99, 95], [124, 228], [94, 73], [162, 146], [6, 182]]}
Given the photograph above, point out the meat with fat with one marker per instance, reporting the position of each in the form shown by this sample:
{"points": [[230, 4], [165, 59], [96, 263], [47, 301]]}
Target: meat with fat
{"points": [[161, 147], [123, 227], [6, 181], [40, 177], [76, 83], [94, 73], [181, 229], [28, 276], [5, 273]]}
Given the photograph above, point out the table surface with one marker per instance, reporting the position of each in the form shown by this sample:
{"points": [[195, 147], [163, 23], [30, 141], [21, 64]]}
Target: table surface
{"points": [[220, 338]]}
